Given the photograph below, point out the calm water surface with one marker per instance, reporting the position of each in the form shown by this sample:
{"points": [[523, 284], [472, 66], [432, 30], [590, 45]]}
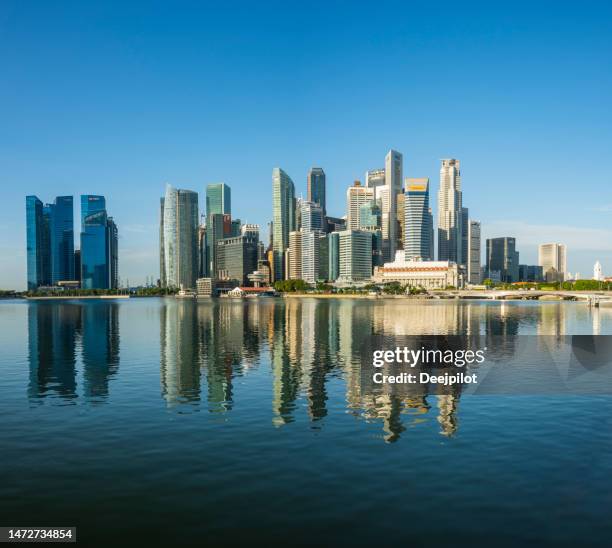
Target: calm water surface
{"points": [[156, 421]]}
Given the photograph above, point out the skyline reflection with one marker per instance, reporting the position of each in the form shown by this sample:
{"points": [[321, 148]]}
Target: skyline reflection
{"points": [[206, 349]]}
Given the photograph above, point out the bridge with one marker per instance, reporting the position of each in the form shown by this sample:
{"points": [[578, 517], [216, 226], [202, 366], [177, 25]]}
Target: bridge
{"points": [[592, 298]]}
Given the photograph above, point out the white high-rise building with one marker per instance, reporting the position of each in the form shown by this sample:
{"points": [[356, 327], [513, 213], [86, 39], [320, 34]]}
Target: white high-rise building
{"points": [[355, 256], [598, 272], [393, 181], [473, 253], [450, 212], [553, 260], [356, 196], [295, 255]]}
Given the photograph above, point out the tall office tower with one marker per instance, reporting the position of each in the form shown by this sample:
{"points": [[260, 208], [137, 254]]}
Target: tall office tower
{"points": [[37, 243], [400, 217], [99, 245], [237, 258], [180, 237], [112, 253], [449, 212], [311, 215], [375, 178], [218, 199], [356, 196], [295, 255], [311, 255], [77, 265], [316, 187], [432, 237], [355, 256], [473, 253], [553, 260], [94, 259], [393, 181], [370, 220], [202, 252], [502, 260], [283, 196], [218, 227], [61, 239], [465, 219], [162, 253], [333, 250], [418, 223]]}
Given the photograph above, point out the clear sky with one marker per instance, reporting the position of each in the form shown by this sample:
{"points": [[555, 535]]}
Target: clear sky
{"points": [[120, 98]]}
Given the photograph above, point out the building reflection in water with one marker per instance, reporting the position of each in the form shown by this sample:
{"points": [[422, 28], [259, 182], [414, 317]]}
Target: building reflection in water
{"points": [[63, 336], [206, 348]]}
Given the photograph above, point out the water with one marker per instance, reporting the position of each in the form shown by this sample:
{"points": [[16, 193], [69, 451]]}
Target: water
{"points": [[157, 421]]}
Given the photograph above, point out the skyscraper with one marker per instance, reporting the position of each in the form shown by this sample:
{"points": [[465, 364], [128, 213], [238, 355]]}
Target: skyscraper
{"points": [[283, 196], [295, 255], [355, 256], [316, 187], [62, 239], [180, 223], [311, 215], [95, 244], [393, 181], [356, 196], [450, 212], [162, 253], [473, 253], [218, 199], [553, 260], [37, 243], [333, 250], [237, 258], [418, 220], [502, 260]]}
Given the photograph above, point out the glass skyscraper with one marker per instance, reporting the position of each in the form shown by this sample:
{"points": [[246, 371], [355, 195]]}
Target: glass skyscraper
{"points": [[38, 250], [316, 187], [418, 221], [218, 199], [99, 245], [62, 239], [283, 196], [180, 243]]}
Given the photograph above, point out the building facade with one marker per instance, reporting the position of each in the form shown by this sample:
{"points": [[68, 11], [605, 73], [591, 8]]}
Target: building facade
{"points": [[283, 205], [180, 244], [418, 220], [553, 260], [502, 260], [474, 252], [450, 212], [236, 259], [356, 196], [355, 256], [218, 199], [316, 187], [421, 274]]}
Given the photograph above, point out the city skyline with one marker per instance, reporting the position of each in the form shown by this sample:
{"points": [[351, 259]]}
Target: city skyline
{"points": [[527, 114]]}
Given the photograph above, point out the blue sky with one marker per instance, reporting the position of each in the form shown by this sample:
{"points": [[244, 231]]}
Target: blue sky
{"points": [[120, 98]]}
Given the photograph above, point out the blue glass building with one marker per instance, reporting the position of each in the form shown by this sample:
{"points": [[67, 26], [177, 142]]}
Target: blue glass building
{"points": [[98, 245], [61, 229], [218, 199], [37, 243]]}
